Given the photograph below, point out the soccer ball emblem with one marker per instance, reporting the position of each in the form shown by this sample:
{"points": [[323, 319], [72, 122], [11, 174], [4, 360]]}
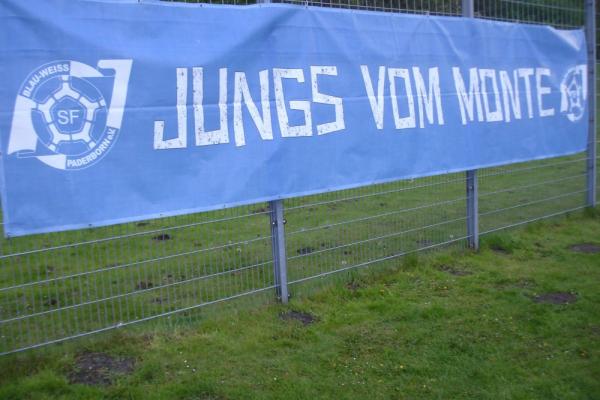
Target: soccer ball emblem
{"points": [[68, 114], [574, 93], [68, 110]]}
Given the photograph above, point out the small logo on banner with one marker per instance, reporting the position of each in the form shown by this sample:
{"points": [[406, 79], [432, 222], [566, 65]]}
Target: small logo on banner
{"points": [[573, 91], [68, 114]]}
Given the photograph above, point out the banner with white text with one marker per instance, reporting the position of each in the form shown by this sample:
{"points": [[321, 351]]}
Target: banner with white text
{"points": [[115, 111]]}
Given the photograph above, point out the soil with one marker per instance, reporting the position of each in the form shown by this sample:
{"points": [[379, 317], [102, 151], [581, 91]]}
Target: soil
{"points": [[303, 317], [305, 250], [587, 248], [99, 369], [51, 302], [144, 285], [555, 298], [162, 237], [353, 286], [499, 249], [454, 271]]}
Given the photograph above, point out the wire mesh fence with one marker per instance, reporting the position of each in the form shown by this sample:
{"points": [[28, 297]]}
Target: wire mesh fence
{"points": [[60, 286]]}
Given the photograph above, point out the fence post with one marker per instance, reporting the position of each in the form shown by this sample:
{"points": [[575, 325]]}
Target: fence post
{"points": [[468, 11], [590, 30], [468, 8], [278, 246], [472, 210]]}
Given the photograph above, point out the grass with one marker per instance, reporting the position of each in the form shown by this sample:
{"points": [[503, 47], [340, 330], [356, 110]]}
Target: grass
{"points": [[66, 291], [451, 324]]}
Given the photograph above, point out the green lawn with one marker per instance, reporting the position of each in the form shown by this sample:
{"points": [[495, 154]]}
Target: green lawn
{"points": [[121, 274], [446, 325]]}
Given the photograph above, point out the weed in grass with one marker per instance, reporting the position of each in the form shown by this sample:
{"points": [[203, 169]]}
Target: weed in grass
{"points": [[410, 262], [500, 243], [591, 212]]}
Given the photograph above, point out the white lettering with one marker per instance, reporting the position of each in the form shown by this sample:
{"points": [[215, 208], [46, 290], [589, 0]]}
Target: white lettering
{"points": [[484, 76], [242, 94], [526, 74], [426, 99], [182, 116], [510, 95], [541, 91], [218, 136], [467, 101], [404, 122], [376, 103], [301, 105], [321, 98]]}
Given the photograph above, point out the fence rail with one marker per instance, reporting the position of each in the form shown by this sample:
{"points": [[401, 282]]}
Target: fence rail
{"points": [[60, 286]]}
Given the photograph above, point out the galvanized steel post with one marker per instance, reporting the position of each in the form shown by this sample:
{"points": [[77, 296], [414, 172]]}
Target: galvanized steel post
{"points": [[468, 11], [278, 246], [472, 210], [468, 8], [590, 30]]}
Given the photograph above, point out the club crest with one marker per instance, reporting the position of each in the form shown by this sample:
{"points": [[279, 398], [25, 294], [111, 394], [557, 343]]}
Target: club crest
{"points": [[574, 93], [68, 114]]}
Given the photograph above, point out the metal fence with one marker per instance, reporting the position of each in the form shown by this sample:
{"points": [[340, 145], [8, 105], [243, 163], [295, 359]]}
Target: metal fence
{"points": [[60, 286]]}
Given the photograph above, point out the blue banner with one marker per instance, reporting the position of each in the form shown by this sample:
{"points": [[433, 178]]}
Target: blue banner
{"points": [[115, 111]]}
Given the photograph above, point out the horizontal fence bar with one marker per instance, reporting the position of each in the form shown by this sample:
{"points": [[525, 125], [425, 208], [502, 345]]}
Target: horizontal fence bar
{"points": [[124, 324], [378, 260]]}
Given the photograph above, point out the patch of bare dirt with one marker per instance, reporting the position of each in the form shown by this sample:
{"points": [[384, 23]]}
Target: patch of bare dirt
{"points": [[158, 300], [497, 248], [51, 302], [587, 248], [305, 250], [304, 318], [555, 298], [162, 237], [99, 369], [353, 286], [144, 285]]}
